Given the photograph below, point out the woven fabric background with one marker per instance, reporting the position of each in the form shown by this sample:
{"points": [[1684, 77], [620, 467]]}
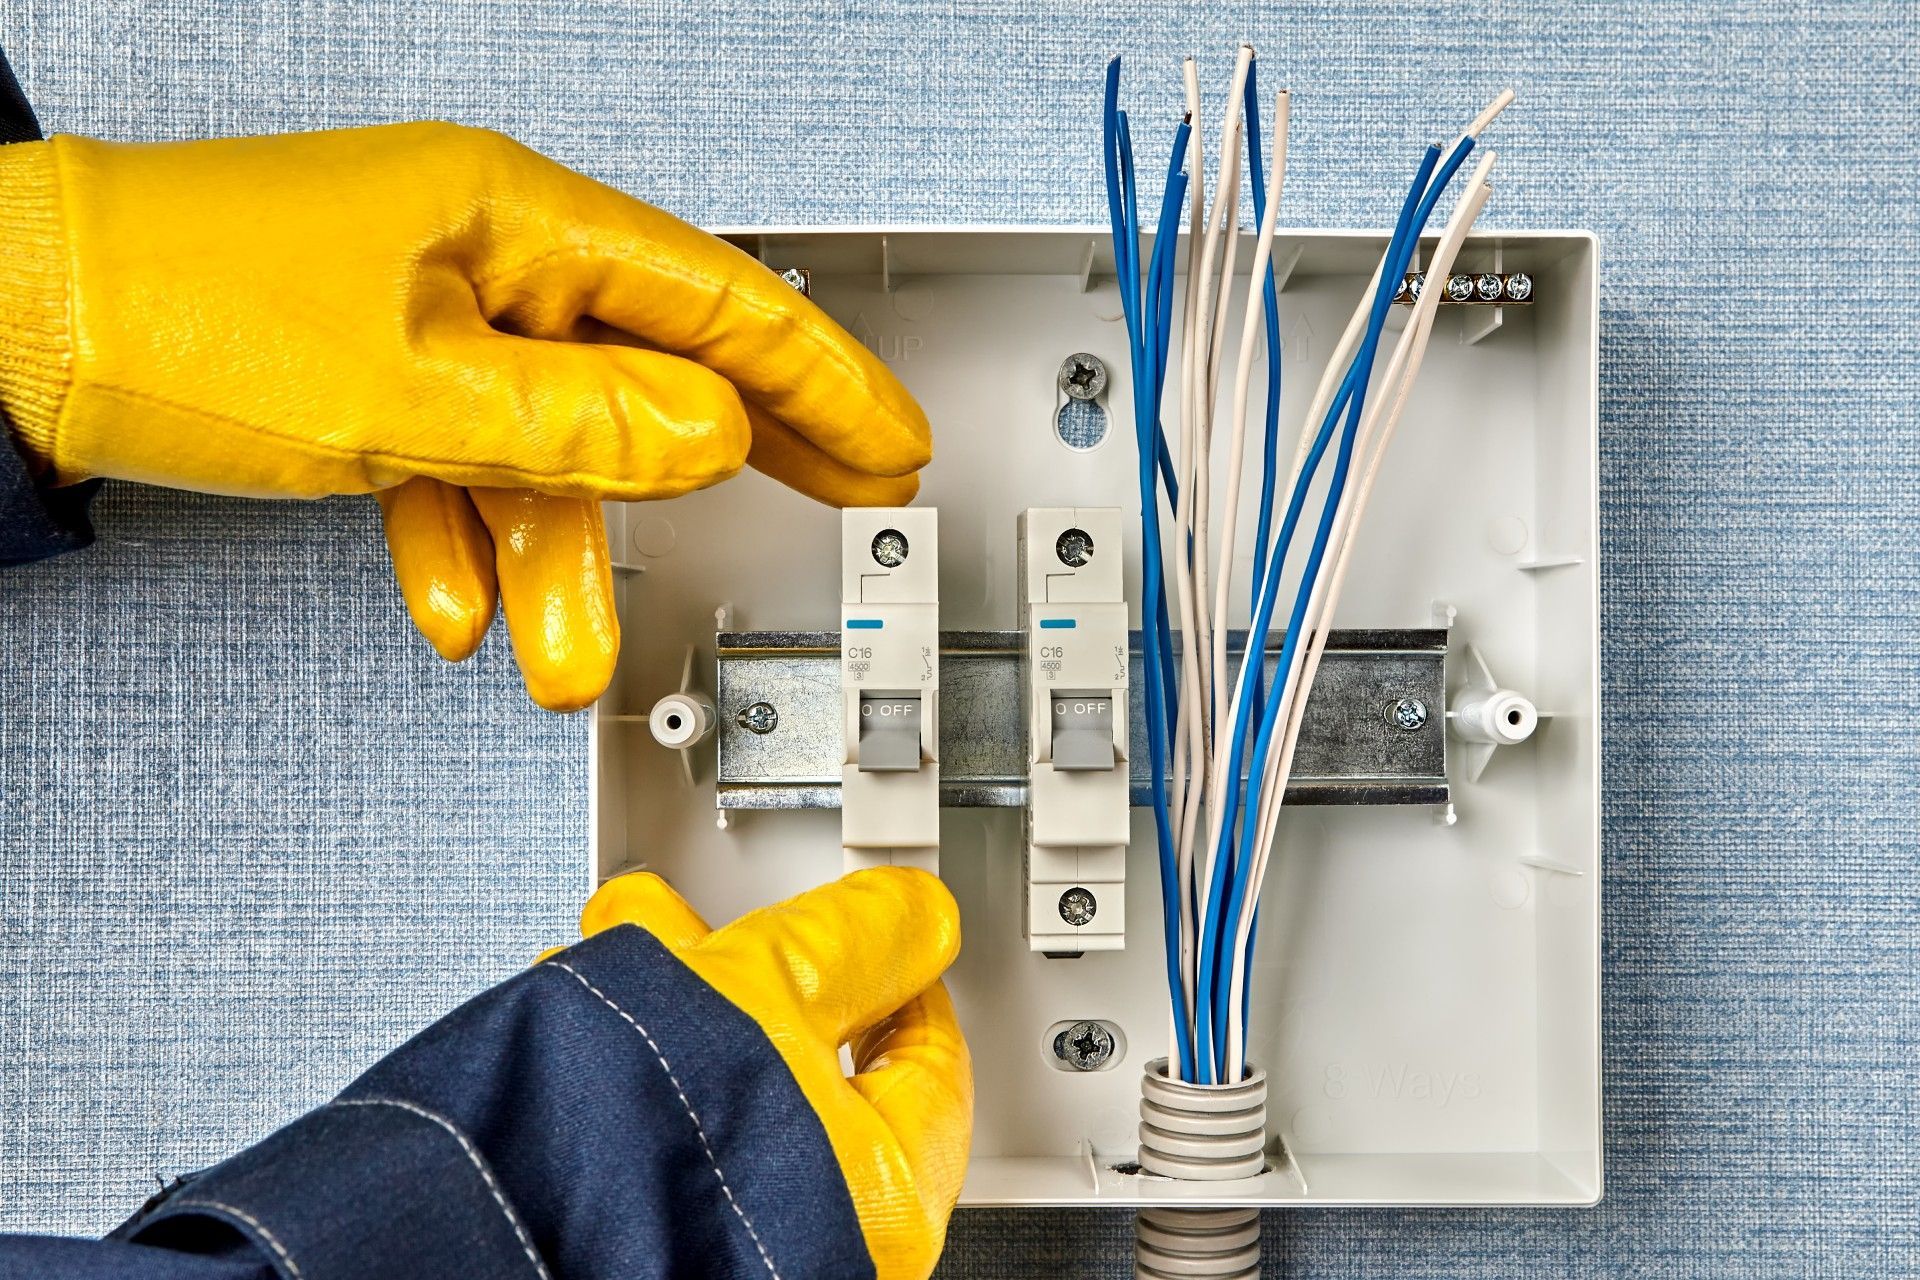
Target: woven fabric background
{"points": [[253, 834]]}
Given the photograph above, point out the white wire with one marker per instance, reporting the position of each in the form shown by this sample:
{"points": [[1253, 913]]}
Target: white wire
{"points": [[1323, 396], [1307, 657], [1375, 432], [1314, 633], [1196, 640], [1230, 179], [1223, 234], [1185, 796], [1501, 102], [1251, 331]]}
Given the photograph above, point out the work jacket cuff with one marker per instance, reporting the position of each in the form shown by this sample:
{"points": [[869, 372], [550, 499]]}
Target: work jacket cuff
{"points": [[358, 1190]]}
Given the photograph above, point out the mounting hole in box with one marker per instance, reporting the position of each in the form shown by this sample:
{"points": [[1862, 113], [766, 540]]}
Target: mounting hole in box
{"points": [[1081, 425]]}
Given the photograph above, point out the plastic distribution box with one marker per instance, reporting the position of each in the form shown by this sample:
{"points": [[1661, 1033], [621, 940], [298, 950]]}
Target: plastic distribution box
{"points": [[1427, 997]]}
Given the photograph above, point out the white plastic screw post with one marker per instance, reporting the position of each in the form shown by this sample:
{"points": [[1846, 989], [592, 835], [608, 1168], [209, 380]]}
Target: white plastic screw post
{"points": [[680, 720]]}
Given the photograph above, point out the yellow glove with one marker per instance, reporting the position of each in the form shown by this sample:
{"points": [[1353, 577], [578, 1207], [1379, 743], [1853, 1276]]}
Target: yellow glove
{"points": [[854, 962], [436, 313]]}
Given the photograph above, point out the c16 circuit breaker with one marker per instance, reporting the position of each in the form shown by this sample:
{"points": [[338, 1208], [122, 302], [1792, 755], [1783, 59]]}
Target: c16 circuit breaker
{"points": [[890, 685], [1075, 682]]}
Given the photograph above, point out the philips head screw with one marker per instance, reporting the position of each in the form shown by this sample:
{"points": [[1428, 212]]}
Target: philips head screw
{"points": [[1084, 1046], [1415, 283], [1519, 286], [1460, 288], [758, 718], [1074, 547], [1082, 376], [1077, 907], [1488, 287], [1408, 714], [890, 548], [1406, 290], [800, 278]]}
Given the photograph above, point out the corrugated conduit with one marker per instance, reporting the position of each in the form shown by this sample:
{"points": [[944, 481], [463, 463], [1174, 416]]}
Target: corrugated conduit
{"points": [[1200, 1133]]}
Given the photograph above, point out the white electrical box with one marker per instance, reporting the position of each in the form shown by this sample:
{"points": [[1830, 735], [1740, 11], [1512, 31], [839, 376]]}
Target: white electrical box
{"points": [[1426, 989]]}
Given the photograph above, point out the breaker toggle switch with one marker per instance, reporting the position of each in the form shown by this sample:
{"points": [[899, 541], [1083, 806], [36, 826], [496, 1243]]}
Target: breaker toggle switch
{"points": [[889, 732], [890, 686], [1078, 817], [1083, 731]]}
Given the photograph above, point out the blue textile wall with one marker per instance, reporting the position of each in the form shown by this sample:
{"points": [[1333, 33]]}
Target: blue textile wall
{"points": [[253, 834]]}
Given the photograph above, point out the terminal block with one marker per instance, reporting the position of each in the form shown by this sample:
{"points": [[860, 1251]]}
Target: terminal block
{"points": [[890, 687], [1075, 683]]}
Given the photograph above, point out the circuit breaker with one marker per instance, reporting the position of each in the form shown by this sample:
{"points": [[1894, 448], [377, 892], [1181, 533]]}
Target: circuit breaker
{"points": [[1074, 680], [890, 687]]}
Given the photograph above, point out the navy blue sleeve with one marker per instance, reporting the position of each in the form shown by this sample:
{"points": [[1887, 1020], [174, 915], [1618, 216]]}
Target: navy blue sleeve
{"points": [[604, 1114], [35, 522]]}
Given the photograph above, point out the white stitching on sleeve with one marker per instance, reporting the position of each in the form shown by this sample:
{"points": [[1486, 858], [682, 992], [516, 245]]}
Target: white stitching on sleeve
{"points": [[699, 1131], [280, 1250], [486, 1174]]}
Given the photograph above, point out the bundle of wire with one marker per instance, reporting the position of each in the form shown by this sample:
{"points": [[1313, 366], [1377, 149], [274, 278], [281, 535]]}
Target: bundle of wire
{"points": [[1220, 749]]}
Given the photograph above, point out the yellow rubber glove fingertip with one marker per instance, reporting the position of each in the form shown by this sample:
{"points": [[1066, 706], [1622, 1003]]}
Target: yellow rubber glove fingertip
{"points": [[556, 585], [568, 678], [644, 899], [443, 561], [918, 896]]}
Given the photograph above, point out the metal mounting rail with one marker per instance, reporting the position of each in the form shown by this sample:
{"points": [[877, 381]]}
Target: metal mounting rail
{"points": [[1351, 749]]}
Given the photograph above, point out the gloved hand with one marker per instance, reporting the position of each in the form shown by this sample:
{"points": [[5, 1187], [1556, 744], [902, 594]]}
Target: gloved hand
{"points": [[490, 341], [854, 962]]}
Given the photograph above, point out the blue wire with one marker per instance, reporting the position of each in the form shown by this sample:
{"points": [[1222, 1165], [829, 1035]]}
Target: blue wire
{"points": [[1256, 174], [1270, 447], [1166, 252], [1124, 213], [1148, 383], [1158, 317], [1161, 270]]}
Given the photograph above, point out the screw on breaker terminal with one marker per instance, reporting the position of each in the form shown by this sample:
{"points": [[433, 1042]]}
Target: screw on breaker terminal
{"points": [[1077, 907], [1074, 547], [890, 548]]}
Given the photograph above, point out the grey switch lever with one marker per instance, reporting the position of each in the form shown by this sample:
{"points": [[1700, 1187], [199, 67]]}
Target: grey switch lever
{"points": [[889, 732], [1083, 730]]}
